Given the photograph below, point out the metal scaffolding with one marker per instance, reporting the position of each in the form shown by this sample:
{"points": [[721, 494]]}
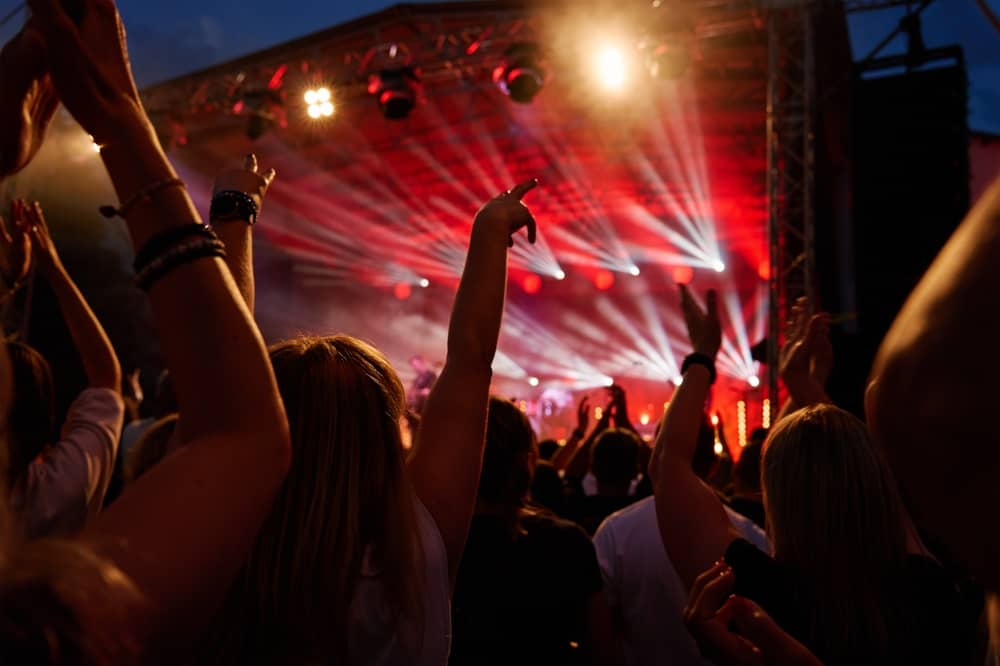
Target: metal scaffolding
{"points": [[791, 156]]}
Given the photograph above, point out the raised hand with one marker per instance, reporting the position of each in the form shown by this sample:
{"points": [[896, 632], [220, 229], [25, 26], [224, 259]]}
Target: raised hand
{"points": [[507, 212], [15, 247], [807, 355], [30, 101], [734, 631], [704, 328], [32, 221], [248, 180], [89, 65]]}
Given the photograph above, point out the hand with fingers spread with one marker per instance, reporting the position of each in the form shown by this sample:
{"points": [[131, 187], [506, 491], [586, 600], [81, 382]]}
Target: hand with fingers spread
{"points": [[89, 65], [807, 355], [31, 219], [734, 631], [508, 214], [30, 100], [703, 325], [15, 254]]}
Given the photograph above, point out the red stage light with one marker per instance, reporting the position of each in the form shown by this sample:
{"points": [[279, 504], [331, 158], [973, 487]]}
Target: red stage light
{"points": [[604, 280], [532, 284], [683, 274], [402, 291], [764, 270]]}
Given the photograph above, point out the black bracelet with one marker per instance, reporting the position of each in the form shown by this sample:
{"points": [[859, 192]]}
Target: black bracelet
{"points": [[164, 240], [233, 205], [702, 360], [180, 254]]}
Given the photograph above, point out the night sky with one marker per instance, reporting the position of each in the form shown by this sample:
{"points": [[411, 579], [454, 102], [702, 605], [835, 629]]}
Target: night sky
{"points": [[169, 38]]}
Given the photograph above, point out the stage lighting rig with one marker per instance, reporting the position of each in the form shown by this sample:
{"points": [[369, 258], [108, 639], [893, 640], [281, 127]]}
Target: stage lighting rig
{"points": [[520, 75], [320, 104], [396, 91]]}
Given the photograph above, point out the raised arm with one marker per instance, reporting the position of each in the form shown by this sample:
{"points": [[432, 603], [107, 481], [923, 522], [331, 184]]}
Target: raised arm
{"points": [[100, 363], [806, 359], [182, 530], [449, 454], [233, 216], [566, 452], [693, 523], [933, 391]]}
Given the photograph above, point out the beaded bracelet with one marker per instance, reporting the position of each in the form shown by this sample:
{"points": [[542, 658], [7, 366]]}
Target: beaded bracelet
{"points": [[179, 255], [233, 205], [142, 196], [702, 360], [164, 240]]}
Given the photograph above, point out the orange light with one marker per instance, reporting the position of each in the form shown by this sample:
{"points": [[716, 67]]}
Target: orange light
{"points": [[683, 274], [604, 280], [715, 419], [644, 419], [764, 270], [765, 416]]}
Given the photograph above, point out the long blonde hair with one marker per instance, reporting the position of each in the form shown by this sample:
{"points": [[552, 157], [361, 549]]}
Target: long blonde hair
{"points": [[347, 500], [836, 521]]}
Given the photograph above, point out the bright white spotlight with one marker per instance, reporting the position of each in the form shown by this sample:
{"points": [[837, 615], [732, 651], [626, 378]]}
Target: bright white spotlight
{"points": [[677, 381], [311, 97], [322, 95], [608, 381], [718, 448], [424, 283], [326, 109], [315, 112], [94, 145], [719, 267], [634, 271], [560, 275], [533, 381], [753, 381], [611, 68]]}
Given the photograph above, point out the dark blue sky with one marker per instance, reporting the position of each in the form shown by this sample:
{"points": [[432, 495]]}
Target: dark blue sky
{"points": [[176, 36]]}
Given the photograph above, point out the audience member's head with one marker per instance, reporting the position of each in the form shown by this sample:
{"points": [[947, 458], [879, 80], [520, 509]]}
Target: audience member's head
{"points": [[31, 422], [615, 461], [834, 516], [346, 500], [746, 475], [547, 487], [150, 449], [705, 460], [547, 449], [510, 456]]}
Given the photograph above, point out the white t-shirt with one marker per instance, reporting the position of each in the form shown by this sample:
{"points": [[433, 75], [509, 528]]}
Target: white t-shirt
{"points": [[643, 589], [65, 485], [373, 641]]}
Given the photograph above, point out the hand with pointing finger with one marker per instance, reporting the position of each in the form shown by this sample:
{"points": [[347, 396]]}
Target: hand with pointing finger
{"points": [[507, 213]]}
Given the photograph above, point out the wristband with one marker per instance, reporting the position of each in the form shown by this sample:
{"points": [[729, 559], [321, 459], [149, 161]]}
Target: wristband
{"points": [[231, 205], [165, 240], [702, 360], [142, 196]]}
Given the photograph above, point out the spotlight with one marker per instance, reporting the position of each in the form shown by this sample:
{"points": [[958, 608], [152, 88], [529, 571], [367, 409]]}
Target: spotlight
{"points": [[533, 381], [683, 274], [319, 103], [396, 91], [532, 284], [610, 68], [719, 267], [424, 283], [519, 76], [715, 419], [94, 145], [753, 381], [718, 448], [764, 270], [644, 419], [402, 291], [634, 271], [560, 274], [604, 280], [677, 381]]}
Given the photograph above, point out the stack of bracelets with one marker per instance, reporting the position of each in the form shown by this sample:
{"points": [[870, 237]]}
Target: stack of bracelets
{"points": [[172, 248]]}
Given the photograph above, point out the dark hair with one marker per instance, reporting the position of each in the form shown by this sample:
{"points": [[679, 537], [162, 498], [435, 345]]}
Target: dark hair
{"points": [[506, 475], [615, 459], [547, 487], [547, 449], [747, 472], [31, 421], [705, 459]]}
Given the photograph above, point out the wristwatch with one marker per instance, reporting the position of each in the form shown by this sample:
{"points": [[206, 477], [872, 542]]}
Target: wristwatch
{"points": [[230, 205]]}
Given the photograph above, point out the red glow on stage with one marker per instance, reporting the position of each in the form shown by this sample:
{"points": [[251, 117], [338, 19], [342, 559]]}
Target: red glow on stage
{"points": [[604, 280], [532, 284], [764, 270], [683, 274], [238, 107], [402, 291], [276, 80]]}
